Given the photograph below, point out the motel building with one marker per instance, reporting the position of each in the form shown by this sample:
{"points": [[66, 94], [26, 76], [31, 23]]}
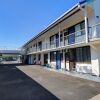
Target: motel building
{"points": [[70, 43]]}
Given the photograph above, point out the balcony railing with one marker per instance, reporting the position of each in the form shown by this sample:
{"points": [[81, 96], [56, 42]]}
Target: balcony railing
{"points": [[94, 32], [73, 38]]}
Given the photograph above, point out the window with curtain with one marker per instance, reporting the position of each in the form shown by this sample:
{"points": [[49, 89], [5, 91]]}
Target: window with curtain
{"points": [[53, 56], [80, 29], [83, 54]]}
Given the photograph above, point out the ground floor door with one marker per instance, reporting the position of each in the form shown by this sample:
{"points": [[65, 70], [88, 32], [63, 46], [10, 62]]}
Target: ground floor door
{"points": [[27, 59], [72, 56], [39, 59], [58, 60], [45, 59], [67, 61]]}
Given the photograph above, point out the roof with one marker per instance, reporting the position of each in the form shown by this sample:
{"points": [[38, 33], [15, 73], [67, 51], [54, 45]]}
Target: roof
{"points": [[57, 21]]}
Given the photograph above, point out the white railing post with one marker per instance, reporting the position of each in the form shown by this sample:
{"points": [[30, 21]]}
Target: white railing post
{"points": [[45, 43], [59, 36], [63, 39], [86, 25], [86, 21]]}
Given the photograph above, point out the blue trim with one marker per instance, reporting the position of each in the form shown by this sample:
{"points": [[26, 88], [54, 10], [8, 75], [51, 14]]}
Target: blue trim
{"points": [[58, 60], [82, 1]]}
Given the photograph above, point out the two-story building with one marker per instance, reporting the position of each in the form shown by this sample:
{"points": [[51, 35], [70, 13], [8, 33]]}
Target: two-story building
{"points": [[71, 43]]}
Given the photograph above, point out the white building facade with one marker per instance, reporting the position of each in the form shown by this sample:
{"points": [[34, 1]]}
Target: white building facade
{"points": [[70, 43]]}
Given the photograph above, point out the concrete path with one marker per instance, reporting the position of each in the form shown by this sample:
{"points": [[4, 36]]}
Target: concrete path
{"points": [[64, 87]]}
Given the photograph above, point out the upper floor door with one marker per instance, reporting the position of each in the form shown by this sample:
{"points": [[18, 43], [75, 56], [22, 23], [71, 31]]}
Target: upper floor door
{"points": [[57, 40], [71, 36], [40, 45]]}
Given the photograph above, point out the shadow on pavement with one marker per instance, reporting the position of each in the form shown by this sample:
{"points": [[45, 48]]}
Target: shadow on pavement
{"points": [[15, 85]]}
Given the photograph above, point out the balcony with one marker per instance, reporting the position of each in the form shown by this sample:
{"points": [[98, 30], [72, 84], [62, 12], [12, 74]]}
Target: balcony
{"points": [[71, 39], [39, 48], [94, 32], [33, 49]]}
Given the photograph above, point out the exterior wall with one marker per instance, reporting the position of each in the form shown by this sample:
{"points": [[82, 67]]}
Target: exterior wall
{"points": [[36, 58], [95, 56], [84, 68], [97, 10], [94, 18], [63, 61], [53, 64], [67, 66], [42, 59]]}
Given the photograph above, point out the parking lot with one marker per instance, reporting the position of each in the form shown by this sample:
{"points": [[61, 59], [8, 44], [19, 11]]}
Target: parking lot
{"points": [[62, 86], [36, 83]]}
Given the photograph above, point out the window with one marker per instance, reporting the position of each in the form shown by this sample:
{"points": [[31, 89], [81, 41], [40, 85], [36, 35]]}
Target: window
{"points": [[71, 37], [52, 56], [79, 29], [65, 36], [52, 40], [82, 24], [83, 54], [61, 37], [40, 45]]}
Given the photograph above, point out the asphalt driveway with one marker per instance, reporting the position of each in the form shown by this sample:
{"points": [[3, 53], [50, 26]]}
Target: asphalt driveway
{"points": [[15, 85], [36, 83], [62, 86]]}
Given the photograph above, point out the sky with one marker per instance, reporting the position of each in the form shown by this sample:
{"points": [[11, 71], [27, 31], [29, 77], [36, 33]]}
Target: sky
{"points": [[20, 20]]}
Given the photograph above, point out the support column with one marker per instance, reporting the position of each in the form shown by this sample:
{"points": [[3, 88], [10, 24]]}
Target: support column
{"points": [[86, 21], [59, 36], [48, 57], [86, 25], [36, 58], [42, 59], [45, 43], [63, 39]]}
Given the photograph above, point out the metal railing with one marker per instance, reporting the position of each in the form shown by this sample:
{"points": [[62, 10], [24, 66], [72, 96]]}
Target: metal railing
{"points": [[69, 39], [94, 31], [76, 37]]}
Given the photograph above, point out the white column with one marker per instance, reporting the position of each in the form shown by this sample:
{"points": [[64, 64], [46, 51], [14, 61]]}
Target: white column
{"points": [[45, 43], [36, 58], [48, 57], [59, 36], [37, 45], [42, 59], [63, 39], [86, 25], [86, 21]]}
